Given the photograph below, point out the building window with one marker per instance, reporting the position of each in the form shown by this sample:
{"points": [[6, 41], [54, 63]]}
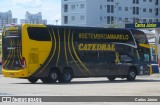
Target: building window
{"points": [[144, 0], [150, 21], [144, 20], [112, 19], [126, 8], [100, 7], [112, 0], [137, 10], [144, 9], [65, 8], [112, 8], [150, 10], [126, 19], [101, 18], [73, 6], [134, 10], [108, 9], [108, 20], [156, 3], [150, 0], [135, 1], [65, 19], [82, 6], [156, 11]]}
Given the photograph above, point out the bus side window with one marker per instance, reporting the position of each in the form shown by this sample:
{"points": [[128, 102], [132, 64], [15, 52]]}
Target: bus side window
{"points": [[146, 57]]}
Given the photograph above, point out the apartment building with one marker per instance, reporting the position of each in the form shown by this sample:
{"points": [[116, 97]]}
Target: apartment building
{"points": [[33, 19], [106, 13], [6, 18]]}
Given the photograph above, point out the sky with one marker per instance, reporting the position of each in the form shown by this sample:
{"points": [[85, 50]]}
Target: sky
{"points": [[50, 9]]}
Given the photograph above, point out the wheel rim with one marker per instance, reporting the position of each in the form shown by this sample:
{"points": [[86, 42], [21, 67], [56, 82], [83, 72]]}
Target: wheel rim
{"points": [[54, 76], [67, 76]]}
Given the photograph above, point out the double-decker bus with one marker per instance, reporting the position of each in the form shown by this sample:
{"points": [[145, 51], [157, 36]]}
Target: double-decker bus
{"points": [[60, 53]]}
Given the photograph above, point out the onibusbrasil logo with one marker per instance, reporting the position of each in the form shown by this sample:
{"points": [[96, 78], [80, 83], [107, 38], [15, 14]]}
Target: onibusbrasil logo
{"points": [[21, 99]]}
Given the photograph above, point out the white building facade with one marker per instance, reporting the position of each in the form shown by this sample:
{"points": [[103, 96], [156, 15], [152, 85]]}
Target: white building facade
{"points": [[33, 19], [6, 18], [106, 13]]}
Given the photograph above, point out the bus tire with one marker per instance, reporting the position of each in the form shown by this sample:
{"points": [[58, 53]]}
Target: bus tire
{"points": [[32, 80], [53, 76], [45, 80], [131, 75], [111, 78], [66, 76]]}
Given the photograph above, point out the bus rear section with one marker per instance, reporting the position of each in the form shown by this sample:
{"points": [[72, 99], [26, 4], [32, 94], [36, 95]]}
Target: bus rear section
{"points": [[24, 49], [13, 62]]}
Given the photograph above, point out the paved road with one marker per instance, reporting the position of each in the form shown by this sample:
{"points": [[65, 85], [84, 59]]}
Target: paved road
{"points": [[143, 86]]}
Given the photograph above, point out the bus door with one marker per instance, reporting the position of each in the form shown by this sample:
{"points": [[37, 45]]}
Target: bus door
{"points": [[144, 55]]}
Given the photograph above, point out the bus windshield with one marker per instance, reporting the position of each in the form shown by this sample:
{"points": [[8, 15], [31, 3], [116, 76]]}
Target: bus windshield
{"points": [[140, 37], [11, 44]]}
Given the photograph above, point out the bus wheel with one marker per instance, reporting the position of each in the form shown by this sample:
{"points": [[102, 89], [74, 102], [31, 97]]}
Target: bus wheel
{"points": [[53, 76], [111, 78], [66, 76], [131, 75], [32, 80]]}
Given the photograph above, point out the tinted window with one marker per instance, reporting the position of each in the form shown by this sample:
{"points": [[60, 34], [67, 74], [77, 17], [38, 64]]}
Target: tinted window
{"points": [[140, 37], [39, 34]]}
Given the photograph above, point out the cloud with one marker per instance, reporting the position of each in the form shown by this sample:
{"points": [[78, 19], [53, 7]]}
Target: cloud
{"points": [[50, 9], [27, 3]]}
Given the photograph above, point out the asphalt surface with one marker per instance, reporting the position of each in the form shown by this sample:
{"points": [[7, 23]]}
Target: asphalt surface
{"points": [[142, 86]]}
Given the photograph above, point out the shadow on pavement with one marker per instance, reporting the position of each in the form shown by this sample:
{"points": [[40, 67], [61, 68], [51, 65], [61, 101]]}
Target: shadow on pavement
{"points": [[94, 82]]}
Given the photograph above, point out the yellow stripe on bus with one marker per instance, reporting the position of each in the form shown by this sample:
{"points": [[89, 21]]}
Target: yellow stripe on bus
{"points": [[72, 55], [13, 53], [59, 50], [78, 57], [9, 52], [10, 55], [65, 47]]}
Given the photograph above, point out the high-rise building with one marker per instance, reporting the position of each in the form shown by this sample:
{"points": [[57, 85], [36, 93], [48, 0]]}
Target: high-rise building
{"points": [[105, 13], [6, 18], [33, 19]]}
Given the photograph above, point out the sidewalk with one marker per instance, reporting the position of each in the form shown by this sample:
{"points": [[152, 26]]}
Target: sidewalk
{"points": [[156, 75]]}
